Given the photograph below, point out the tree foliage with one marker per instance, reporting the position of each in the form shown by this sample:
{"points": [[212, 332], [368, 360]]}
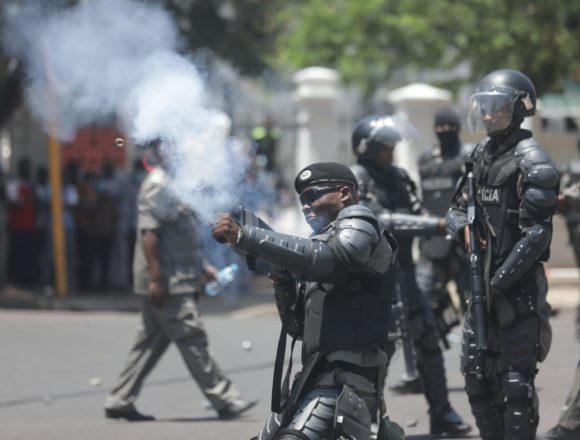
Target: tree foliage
{"points": [[239, 31], [369, 41]]}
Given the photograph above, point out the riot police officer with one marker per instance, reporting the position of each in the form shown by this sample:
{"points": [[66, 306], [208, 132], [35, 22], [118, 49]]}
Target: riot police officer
{"points": [[441, 258], [570, 198], [570, 179], [391, 194], [516, 186], [338, 309], [568, 426]]}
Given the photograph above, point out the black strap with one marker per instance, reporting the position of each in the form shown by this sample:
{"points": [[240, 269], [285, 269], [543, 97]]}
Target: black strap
{"points": [[279, 363], [286, 383]]}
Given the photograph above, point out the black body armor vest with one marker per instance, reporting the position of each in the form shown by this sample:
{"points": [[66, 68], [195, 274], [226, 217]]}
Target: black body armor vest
{"points": [[352, 315], [499, 193], [439, 176]]}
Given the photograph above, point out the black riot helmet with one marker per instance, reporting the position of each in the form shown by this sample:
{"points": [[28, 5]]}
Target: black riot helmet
{"points": [[374, 133], [502, 100]]}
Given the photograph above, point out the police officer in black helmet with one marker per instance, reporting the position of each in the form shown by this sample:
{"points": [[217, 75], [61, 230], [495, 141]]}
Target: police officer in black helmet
{"points": [[517, 188], [441, 258], [391, 194]]}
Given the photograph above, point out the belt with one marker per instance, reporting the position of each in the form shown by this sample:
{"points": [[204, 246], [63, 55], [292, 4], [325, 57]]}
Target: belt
{"points": [[370, 373]]}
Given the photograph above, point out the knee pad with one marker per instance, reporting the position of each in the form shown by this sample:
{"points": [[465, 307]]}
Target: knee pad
{"points": [[517, 387], [315, 417], [521, 414]]}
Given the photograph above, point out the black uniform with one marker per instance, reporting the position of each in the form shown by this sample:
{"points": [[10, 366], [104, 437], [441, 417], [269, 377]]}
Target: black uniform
{"points": [[441, 258], [332, 297], [391, 194], [570, 180], [517, 187]]}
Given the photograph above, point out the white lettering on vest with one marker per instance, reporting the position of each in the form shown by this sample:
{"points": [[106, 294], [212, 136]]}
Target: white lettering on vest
{"points": [[490, 195]]}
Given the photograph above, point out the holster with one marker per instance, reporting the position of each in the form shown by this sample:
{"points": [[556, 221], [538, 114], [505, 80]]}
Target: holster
{"points": [[352, 418], [389, 430]]}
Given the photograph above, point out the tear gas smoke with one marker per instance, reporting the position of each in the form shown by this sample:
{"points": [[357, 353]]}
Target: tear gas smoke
{"points": [[104, 60]]}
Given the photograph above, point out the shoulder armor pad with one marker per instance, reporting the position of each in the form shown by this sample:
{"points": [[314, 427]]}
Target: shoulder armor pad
{"points": [[530, 155], [526, 145], [357, 239], [358, 224], [357, 211], [361, 174]]}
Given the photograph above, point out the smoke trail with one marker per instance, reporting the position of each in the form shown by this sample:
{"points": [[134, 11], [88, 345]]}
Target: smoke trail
{"points": [[118, 59]]}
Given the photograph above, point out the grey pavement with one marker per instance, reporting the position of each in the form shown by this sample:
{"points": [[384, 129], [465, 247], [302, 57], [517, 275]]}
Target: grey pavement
{"points": [[563, 283], [57, 365]]}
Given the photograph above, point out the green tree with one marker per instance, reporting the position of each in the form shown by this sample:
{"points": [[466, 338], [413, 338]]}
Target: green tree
{"points": [[239, 31], [369, 41]]}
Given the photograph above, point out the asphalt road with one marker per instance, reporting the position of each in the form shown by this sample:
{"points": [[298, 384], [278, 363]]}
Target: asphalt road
{"points": [[57, 366]]}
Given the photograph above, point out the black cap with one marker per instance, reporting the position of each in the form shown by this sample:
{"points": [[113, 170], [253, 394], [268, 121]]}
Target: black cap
{"points": [[447, 115], [324, 172]]}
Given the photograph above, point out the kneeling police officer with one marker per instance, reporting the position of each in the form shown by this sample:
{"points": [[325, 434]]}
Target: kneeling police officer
{"points": [[331, 294]]}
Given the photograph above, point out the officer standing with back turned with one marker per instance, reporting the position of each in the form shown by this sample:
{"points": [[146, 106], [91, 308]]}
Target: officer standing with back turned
{"points": [[515, 185]]}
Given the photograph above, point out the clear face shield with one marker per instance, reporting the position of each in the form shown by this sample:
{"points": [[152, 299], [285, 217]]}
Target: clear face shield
{"points": [[401, 128], [491, 110]]}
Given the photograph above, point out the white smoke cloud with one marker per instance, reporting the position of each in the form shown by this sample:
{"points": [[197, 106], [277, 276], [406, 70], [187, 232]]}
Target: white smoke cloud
{"points": [[119, 59]]}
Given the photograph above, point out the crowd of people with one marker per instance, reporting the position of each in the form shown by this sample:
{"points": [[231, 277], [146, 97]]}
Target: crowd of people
{"points": [[99, 222]]}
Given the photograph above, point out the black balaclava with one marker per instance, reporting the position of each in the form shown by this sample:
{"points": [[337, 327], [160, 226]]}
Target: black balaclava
{"points": [[448, 140]]}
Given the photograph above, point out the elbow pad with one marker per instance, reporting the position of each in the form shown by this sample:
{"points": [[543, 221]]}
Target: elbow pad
{"points": [[409, 225], [524, 255], [309, 259]]}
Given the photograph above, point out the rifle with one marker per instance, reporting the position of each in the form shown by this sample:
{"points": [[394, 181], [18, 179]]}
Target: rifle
{"points": [[478, 296], [401, 315]]}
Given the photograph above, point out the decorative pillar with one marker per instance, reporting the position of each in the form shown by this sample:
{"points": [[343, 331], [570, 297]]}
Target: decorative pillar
{"points": [[316, 96], [418, 103]]}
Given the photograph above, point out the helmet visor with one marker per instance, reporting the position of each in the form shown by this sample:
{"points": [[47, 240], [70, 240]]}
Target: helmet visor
{"points": [[401, 128], [490, 111]]}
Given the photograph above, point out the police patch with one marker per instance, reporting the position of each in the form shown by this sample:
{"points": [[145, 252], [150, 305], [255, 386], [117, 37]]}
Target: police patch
{"points": [[490, 196], [305, 175]]}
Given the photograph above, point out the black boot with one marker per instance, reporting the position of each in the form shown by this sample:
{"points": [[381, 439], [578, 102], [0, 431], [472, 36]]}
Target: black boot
{"points": [[447, 423]]}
